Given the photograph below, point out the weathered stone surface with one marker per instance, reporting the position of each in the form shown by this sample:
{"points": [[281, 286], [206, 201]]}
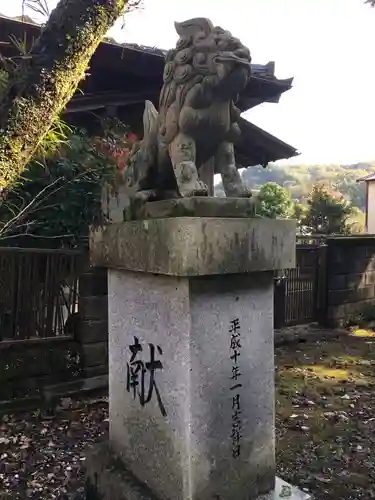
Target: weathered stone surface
{"points": [[199, 206], [93, 283], [26, 366], [91, 331], [108, 479], [94, 308], [336, 282], [83, 385], [95, 354], [95, 371], [350, 278], [23, 360], [195, 246], [197, 118], [184, 446]]}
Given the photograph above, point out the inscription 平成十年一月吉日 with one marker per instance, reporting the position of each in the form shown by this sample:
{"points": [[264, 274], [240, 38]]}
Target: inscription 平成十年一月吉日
{"points": [[236, 385], [140, 372]]}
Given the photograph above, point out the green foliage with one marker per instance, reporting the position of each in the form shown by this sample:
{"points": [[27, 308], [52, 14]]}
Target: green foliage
{"points": [[4, 79], [56, 137], [10, 65], [327, 213], [274, 201], [300, 211], [300, 179], [357, 221], [41, 7], [299, 214], [351, 189], [58, 198]]}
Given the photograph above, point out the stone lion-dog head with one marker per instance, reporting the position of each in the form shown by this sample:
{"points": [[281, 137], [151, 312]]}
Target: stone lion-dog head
{"points": [[208, 65]]}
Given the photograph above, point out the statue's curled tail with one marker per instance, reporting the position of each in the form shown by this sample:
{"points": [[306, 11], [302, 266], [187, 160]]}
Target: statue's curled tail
{"points": [[150, 119]]}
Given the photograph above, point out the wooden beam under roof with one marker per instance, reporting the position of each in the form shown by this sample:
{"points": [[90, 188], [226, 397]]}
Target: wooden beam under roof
{"points": [[92, 102]]}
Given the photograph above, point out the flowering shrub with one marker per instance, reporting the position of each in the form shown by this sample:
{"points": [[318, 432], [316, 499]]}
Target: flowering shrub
{"points": [[60, 194], [117, 148]]}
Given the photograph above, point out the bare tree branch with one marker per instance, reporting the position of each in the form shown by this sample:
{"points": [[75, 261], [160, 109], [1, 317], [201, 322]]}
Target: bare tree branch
{"points": [[56, 237], [134, 5], [37, 6], [37, 204], [26, 210]]}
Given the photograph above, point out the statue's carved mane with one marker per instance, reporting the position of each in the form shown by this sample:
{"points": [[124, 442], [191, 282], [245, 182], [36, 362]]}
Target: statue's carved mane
{"points": [[189, 64], [197, 120]]}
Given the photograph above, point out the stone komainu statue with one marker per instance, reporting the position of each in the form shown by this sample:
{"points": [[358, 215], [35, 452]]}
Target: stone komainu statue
{"points": [[197, 119]]}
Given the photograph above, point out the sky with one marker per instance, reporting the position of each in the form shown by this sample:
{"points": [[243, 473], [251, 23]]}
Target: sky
{"points": [[326, 45]]}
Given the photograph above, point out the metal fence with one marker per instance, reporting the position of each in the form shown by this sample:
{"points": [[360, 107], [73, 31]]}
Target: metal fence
{"points": [[38, 291], [300, 292]]}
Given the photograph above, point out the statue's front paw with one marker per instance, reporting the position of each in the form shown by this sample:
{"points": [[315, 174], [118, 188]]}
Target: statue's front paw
{"points": [[197, 188], [188, 181], [200, 189]]}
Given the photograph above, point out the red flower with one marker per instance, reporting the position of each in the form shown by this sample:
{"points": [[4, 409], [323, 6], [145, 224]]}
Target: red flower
{"points": [[132, 137]]}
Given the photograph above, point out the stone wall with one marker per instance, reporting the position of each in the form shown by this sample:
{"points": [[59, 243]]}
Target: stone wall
{"points": [[350, 278], [93, 326], [27, 367]]}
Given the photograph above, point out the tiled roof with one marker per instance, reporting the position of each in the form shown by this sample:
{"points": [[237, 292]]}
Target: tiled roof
{"points": [[259, 70], [367, 178]]}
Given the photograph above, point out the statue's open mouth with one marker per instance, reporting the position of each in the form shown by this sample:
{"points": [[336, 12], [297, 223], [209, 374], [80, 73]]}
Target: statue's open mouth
{"points": [[234, 59]]}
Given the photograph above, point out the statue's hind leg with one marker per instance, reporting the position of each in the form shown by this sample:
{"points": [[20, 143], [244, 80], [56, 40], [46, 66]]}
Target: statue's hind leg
{"points": [[182, 152], [225, 164]]}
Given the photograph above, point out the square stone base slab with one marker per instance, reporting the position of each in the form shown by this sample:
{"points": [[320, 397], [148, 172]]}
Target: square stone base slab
{"points": [[195, 246], [199, 206], [108, 479]]}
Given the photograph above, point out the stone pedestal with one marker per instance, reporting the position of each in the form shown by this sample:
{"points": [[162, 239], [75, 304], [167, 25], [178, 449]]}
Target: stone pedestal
{"points": [[191, 358], [207, 430]]}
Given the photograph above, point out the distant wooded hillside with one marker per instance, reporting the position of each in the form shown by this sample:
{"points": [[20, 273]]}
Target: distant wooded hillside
{"points": [[299, 179]]}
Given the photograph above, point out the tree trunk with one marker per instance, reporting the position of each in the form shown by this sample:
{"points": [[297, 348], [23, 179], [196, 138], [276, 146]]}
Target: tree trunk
{"points": [[58, 62]]}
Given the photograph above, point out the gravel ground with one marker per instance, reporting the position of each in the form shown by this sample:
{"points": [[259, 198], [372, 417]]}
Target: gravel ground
{"points": [[325, 420]]}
